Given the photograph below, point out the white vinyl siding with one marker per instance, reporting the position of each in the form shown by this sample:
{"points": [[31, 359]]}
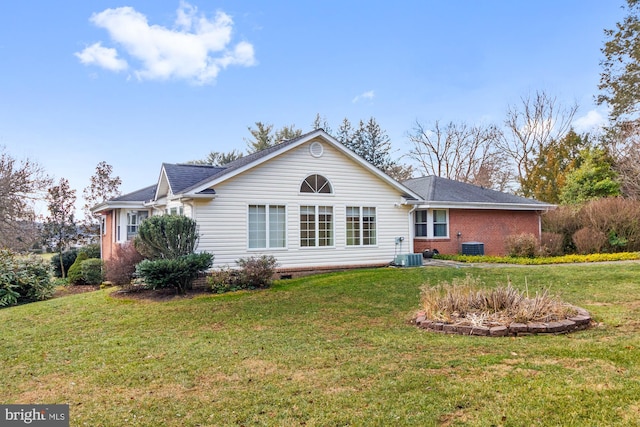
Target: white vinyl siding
{"points": [[224, 220]]}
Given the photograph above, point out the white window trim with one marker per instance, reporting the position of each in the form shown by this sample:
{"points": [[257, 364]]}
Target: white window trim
{"points": [[308, 194], [267, 225], [361, 223], [317, 228], [430, 224]]}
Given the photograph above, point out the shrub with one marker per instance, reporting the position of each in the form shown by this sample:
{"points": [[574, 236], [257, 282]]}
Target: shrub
{"points": [[75, 271], [177, 273], [617, 219], [551, 244], [92, 250], [257, 272], [521, 245], [224, 280], [166, 236], [120, 269], [589, 241], [91, 270], [254, 273], [68, 258], [23, 279], [565, 221]]}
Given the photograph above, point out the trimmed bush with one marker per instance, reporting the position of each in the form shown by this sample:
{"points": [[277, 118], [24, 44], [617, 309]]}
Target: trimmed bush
{"points": [[121, 268], [92, 271], [254, 273], [68, 258], [257, 272], [166, 237], [75, 271], [521, 245], [23, 279], [178, 273]]}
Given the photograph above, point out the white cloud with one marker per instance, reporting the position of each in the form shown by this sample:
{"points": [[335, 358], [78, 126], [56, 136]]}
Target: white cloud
{"points": [[591, 121], [196, 49], [104, 57], [364, 96]]}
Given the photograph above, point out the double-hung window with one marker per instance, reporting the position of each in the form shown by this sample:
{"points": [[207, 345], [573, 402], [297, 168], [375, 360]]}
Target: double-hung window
{"points": [[134, 219], [316, 226], [432, 223], [361, 226], [267, 227]]}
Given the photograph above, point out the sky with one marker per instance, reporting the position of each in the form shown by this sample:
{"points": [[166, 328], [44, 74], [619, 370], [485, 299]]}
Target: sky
{"points": [[138, 83]]}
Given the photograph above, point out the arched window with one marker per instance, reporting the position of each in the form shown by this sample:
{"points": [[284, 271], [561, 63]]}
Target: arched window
{"points": [[316, 184]]}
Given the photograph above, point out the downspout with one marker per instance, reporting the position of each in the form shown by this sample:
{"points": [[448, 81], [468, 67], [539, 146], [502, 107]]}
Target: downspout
{"points": [[411, 229]]}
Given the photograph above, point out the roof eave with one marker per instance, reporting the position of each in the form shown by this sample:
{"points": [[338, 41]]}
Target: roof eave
{"points": [[483, 205]]}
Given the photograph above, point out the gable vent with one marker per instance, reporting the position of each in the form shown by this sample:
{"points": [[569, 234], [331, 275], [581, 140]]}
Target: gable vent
{"points": [[316, 149]]}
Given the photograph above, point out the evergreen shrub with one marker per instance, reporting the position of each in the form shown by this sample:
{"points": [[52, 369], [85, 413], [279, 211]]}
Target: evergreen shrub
{"points": [[75, 271], [23, 279], [68, 258], [92, 271], [178, 273]]}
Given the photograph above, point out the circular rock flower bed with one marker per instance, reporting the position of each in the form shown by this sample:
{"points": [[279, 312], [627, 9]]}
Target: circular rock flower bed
{"points": [[463, 307]]}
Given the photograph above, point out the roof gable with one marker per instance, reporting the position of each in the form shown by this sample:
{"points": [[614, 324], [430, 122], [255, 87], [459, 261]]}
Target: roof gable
{"points": [[181, 176], [254, 159]]}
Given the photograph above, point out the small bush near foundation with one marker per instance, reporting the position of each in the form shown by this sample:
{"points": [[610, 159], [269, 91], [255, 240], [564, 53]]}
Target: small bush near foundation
{"points": [[521, 245], [178, 273], [92, 271], [254, 273], [120, 269], [464, 302]]}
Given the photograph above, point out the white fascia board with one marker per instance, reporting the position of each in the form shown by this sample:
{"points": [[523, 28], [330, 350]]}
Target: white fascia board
{"points": [[163, 176], [422, 204], [106, 206]]}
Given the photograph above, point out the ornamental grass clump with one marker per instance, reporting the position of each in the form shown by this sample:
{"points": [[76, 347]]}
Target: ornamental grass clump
{"points": [[465, 302]]}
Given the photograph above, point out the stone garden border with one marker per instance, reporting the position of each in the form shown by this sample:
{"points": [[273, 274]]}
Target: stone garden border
{"points": [[580, 321]]}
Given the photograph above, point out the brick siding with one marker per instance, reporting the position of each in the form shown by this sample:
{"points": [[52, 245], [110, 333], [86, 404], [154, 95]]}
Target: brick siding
{"points": [[486, 226]]}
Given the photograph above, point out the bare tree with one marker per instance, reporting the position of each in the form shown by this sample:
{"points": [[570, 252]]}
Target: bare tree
{"points": [[623, 144], [103, 187], [461, 152], [60, 227], [532, 126], [21, 184]]}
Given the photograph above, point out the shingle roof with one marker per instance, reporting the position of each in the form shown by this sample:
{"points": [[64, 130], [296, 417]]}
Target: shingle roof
{"points": [[438, 189], [142, 195], [182, 176]]}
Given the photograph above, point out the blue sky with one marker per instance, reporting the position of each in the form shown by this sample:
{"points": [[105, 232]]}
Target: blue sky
{"points": [[138, 83]]}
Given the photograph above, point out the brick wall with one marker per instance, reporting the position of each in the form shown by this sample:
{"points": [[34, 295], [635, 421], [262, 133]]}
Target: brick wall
{"points": [[486, 226], [107, 239]]}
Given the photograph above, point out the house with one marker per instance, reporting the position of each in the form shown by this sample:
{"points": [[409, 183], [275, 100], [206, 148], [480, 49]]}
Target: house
{"points": [[314, 204]]}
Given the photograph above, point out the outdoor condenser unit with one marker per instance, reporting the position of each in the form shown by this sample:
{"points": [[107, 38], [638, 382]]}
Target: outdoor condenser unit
{"points": [[473, 248]]}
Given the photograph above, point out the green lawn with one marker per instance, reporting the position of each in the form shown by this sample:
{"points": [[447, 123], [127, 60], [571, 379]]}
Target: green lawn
{"points": [[329, 350]]}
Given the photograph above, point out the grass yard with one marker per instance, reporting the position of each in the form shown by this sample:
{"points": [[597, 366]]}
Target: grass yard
{"points": [[329, 350]]}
